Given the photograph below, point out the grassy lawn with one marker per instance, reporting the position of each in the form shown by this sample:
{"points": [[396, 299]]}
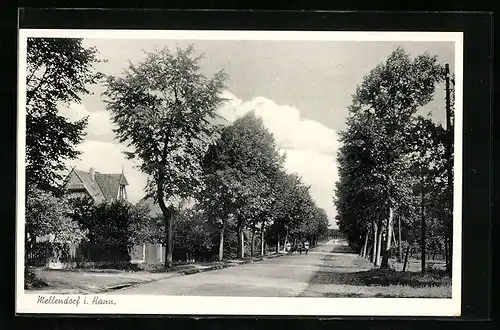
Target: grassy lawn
{"points": [[352, 276]]}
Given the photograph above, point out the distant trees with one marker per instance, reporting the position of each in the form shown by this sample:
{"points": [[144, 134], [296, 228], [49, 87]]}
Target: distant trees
{"points": [[240, 171], [391, 160]]}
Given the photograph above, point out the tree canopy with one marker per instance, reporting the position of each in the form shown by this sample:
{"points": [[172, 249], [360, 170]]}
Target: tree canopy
{"points": [[387, 149], [58, 73], [164, 109]]}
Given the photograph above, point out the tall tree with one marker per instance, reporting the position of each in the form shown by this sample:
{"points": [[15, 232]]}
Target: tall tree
{"points": [[58, 73], [239, 172], [164, 108], [395, 90]]}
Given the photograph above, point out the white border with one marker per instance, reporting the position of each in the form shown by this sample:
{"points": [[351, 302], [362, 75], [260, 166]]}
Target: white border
{"points": [[27, 303]]}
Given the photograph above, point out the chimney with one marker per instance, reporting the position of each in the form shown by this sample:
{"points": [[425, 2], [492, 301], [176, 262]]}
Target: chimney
{"points": [[92, 173]]}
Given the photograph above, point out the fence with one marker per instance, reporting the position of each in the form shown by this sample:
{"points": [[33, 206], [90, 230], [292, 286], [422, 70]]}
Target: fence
{"points": [[75, 255]]}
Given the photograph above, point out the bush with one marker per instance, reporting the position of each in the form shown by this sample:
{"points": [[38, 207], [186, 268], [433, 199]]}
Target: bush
{"points": [[31, 281]]}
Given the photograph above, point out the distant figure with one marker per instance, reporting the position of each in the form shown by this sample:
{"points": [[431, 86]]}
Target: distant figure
{"points": [[306, 246], [299, 247], [288, 248]]}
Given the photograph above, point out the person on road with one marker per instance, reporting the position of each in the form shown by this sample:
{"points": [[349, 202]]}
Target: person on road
{"points": [[299, 247], [288, 248], [306, 246]]}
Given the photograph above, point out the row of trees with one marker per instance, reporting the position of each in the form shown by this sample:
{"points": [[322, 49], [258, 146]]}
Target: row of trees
{"points": [[396, 165], [165, 111], [247, 200]]}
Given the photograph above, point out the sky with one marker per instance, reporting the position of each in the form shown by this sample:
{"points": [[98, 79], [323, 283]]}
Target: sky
{"points": [[301, 89]]}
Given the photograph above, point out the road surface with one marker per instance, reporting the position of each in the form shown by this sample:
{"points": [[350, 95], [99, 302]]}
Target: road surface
{"points": [[285, 276]]}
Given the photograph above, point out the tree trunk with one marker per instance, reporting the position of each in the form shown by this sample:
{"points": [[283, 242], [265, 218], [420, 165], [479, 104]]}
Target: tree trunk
{"points": [[379, 245], [252, 241], [241, 243], [278, 245], [400, 248], [370, 253], [365, 246], [168, 218], [406, 256], [388, 240], [262, 228], [374, 244], [422, 225], [170, 241], [221, 241], [286, 236]]}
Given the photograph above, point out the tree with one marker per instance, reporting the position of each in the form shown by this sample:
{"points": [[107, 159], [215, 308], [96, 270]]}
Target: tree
{"points": [[428, 153], [194, 235], [393, 92], [58, 72], [165, 110], [50, 216], [239, 172], [113, 227]]}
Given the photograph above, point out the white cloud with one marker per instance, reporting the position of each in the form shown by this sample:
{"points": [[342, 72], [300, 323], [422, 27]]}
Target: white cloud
{"points": [[290, 131], [310, 146], [99, 125]]}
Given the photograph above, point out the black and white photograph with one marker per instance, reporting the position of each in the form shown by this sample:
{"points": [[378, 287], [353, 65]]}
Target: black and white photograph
{"points": [[239, 172]]}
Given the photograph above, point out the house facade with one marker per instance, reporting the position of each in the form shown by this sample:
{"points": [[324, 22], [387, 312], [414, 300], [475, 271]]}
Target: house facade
{"points": [[101, 187], [107, 187]]}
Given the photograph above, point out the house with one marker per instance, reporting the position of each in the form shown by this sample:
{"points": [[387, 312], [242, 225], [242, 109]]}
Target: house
{"points": [[100, 186]]}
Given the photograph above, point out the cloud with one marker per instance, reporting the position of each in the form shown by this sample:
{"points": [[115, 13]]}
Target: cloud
{"points": [[310, 146], [99, 125], [289, 129]]}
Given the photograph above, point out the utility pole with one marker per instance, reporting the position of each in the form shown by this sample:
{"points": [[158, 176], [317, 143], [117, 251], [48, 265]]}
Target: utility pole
{"points": [[423, 224], [449, 168]]}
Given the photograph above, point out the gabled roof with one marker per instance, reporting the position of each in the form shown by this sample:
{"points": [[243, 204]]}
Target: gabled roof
{"points": [[104, 187], [110, 184], [88, 184]]}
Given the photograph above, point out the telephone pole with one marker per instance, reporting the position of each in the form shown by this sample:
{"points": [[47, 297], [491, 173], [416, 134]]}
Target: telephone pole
{"points": [[449, 168], [423, 227]]}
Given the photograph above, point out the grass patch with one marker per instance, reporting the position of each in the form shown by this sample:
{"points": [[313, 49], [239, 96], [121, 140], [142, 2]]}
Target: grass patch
{"points": [[382, 277], [392, 291]]}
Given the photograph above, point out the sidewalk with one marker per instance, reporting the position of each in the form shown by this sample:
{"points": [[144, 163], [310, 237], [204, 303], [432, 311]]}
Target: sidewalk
{"points": [[87, 281]]}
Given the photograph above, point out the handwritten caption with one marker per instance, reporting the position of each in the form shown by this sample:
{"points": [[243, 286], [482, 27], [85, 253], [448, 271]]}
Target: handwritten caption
{"points": [[74, 300]]}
